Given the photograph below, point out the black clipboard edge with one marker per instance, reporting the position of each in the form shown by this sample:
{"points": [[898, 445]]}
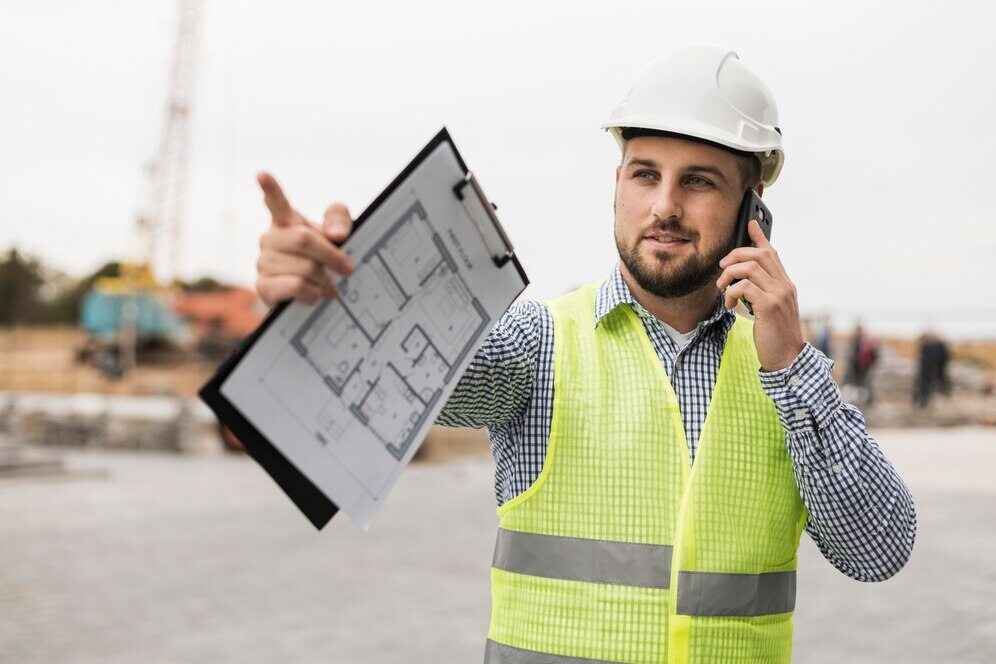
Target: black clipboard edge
{"points": [[314, 504], [308, 498]]}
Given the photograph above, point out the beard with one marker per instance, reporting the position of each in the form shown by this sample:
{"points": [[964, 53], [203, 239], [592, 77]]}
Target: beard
{"points": [[673, 275]]}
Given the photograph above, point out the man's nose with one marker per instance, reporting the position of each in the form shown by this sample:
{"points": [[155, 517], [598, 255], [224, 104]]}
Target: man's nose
{"points": [[669, 201]]}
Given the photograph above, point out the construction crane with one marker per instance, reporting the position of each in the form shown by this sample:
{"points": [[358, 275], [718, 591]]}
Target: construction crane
{"points": [[164, 224], [134, 310]]}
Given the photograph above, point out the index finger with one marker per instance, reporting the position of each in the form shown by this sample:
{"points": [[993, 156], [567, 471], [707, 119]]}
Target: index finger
{"points": [[273, 196], [764, 256], [757, 235], [762, 242]]}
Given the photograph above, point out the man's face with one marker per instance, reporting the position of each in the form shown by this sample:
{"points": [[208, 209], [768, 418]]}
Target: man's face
{"points": [[675, 206]]}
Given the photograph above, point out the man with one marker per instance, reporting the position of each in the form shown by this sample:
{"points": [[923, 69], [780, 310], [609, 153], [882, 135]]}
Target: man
{"points": [[864, 355], [657, 455], [931, 372]]}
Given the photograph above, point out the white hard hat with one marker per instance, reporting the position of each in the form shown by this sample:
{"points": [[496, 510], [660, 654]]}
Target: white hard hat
{"points": [[705, 92]]}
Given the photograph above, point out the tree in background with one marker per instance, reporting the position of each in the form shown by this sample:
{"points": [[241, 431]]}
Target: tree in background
{"points": [[21, 281], [64, 306], [32, 293], [204, 284]]}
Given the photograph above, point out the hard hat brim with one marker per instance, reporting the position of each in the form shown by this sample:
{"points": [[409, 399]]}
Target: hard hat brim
{"points": [[772, 157]]}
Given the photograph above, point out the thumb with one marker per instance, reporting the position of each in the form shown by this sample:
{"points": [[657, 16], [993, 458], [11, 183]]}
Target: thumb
{"points": [[337, 223]]}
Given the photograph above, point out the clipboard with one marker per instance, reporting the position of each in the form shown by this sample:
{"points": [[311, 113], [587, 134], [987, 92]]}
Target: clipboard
{"points": [[309, 499]]}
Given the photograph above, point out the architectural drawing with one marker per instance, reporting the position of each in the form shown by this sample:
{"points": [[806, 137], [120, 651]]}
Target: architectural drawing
{"points": [[402, 324]]}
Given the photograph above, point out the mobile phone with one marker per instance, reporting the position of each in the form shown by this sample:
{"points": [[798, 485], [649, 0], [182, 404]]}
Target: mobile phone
{"points": [[751, 207]]}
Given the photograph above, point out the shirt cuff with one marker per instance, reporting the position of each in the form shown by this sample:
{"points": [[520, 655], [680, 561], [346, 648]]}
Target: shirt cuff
{"points": [[804, 392]]}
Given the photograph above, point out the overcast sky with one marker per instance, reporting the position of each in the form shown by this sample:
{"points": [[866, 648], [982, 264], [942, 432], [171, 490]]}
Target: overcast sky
{"points": [[884, 207]]}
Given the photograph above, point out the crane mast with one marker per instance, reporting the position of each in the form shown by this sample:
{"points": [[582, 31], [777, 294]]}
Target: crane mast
{"points": [[162, 225]]}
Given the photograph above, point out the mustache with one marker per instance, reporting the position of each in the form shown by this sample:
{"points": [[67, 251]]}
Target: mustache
{"points": [[670, 227]]}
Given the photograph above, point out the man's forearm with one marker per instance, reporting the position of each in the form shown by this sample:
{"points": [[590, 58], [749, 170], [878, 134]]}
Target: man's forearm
{"points": [[499, 379], [861, 514]]}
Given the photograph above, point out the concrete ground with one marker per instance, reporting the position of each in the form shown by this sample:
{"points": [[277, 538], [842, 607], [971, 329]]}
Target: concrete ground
{"points": [[160, 558]]}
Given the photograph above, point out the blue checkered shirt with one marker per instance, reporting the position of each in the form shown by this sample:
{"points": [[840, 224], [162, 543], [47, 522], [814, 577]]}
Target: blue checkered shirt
{"points": [[861, 515]]}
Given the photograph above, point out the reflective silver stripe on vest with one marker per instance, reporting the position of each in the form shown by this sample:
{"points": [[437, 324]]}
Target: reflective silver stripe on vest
{"points": [[576, 559], [711, 594], [499, 653]]}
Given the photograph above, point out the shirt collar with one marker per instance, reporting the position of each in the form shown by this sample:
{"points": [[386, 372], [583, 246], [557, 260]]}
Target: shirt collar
{"points": [[614, 292]]}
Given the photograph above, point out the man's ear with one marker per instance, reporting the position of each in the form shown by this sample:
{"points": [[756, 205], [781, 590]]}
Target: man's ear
{"points": [[759, 188], [618, 171]]}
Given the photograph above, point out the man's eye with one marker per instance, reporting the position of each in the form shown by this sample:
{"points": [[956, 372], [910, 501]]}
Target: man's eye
{"points": [[696, 181], [645, 175]]}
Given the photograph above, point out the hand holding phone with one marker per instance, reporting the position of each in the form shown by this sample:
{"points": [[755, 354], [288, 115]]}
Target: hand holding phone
{"points": [[751, 207]]}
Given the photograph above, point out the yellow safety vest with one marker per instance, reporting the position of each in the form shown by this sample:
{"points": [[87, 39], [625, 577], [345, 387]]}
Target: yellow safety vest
{"points": [[623, 551]]}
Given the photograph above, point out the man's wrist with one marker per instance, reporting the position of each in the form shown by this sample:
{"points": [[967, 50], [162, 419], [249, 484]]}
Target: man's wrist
{"points": [[787, 361], [803, 392]]}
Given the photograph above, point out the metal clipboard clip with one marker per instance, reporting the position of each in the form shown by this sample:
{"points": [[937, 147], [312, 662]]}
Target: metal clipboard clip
{"points": [[500, 258]]}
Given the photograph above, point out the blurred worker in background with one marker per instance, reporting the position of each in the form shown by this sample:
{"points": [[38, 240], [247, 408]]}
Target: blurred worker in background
{"points": [[861, 361], [932, 369]]}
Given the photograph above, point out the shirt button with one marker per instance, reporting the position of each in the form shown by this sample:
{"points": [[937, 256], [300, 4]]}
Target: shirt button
{"points": [[800, 414], [795, 381], [836, 468]]}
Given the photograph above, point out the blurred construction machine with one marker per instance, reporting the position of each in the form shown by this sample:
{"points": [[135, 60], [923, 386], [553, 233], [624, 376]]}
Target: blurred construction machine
{"points": [[130, 317]]}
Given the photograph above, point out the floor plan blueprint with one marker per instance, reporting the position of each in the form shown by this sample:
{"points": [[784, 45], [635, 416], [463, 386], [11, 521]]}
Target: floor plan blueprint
{"points": [[341, 393], [386, 368]]}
